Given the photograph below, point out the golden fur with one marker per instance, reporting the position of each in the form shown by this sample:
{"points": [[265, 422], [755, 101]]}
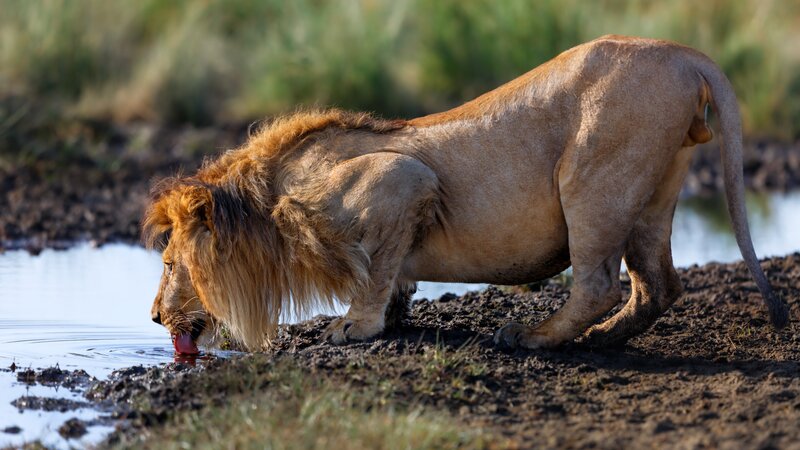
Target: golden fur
{"points": [[579, 162]]}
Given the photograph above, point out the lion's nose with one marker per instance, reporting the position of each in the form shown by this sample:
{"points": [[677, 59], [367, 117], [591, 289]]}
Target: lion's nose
{"points": [[157, 318]]}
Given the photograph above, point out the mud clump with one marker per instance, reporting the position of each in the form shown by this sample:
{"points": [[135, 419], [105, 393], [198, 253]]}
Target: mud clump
{"points": [[26, 376], [72, 429], [47, 404], [55, 376], [711, 372]]}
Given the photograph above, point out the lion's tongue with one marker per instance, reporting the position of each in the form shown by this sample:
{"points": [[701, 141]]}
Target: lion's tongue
{"points": [[185, 345]]}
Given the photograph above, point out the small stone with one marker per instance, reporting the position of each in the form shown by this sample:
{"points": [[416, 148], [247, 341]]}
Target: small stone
{"points": [[663, 426], [12, 429], [51, 375], [447, 297]]}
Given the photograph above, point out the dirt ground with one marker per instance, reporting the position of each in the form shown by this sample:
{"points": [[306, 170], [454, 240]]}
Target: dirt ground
{"points": [[711, 373]]}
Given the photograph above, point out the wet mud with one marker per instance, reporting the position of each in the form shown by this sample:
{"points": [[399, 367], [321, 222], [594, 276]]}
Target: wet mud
{"points": [[73, 428], [48, 403], [54, 376], [710, 373]]}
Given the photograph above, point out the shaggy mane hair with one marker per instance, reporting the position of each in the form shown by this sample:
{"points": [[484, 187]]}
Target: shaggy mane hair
{"points": [[251, 250]]}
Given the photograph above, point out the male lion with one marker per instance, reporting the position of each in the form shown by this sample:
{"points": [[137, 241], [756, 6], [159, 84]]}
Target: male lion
{"points": [[578, 162]]}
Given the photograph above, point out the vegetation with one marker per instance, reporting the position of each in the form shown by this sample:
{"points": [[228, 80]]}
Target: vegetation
{"points": [[234, 61], [267, 404]]}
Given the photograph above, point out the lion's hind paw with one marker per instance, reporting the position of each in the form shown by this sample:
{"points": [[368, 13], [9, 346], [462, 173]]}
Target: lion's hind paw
{"points": [[516, 335], [507, 337]]}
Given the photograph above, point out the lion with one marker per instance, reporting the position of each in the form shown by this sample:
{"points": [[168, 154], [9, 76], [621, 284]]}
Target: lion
{"points": [[578, 162]]}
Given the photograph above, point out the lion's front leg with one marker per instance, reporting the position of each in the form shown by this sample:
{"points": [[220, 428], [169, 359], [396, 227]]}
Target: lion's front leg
{"points": [[364, 320], [394, 198]]}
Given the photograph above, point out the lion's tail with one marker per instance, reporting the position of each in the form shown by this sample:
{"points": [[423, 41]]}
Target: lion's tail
{"points": [[723, 100]]}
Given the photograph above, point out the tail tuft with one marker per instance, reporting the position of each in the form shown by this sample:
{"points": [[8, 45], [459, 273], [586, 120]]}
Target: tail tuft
{"points": [[778, 311]]}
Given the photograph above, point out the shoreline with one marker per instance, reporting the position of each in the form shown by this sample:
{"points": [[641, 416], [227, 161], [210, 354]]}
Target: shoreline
{"points": [[710, 372]]}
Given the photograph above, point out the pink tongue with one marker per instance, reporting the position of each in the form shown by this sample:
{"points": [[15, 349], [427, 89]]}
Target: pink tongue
{"points": [[185, 345]]}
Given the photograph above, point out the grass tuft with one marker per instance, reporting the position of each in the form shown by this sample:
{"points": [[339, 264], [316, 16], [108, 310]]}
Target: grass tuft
{"points": [[283, 406]]}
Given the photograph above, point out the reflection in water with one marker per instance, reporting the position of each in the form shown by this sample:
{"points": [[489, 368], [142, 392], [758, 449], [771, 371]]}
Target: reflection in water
{"points": [[89, 308], [89, 304], [702, 230], [713, 210]]}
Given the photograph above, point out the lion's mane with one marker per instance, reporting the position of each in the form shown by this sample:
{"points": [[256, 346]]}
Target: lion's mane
{"points": [[252, 249]]}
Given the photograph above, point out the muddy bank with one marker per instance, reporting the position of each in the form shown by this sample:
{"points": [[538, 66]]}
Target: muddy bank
{"points": [[90, 181], [710, 373], [768, 166]]}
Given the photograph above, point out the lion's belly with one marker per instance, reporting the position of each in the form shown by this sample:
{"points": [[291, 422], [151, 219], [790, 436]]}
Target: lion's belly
{"points": [[512, 241], [503, 221]]}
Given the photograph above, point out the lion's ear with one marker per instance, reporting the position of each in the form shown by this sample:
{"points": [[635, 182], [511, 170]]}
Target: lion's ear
{"points": [[216, 209], [156, 225], [199, 204]]}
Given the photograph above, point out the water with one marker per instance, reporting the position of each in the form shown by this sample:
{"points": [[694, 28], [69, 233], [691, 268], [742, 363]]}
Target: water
{"points": [[90, 308], [42, 425]]}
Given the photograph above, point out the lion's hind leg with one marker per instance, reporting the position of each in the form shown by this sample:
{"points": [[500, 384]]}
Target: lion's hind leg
{"points": [[393, 198], [596, 246], [655, 284], [399, 304], [601, 206], [596, 291]]}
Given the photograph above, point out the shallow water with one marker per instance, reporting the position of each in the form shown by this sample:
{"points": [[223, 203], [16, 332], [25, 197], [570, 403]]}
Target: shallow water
{"points": [[701, 230], [43, 425], [89, 308]]}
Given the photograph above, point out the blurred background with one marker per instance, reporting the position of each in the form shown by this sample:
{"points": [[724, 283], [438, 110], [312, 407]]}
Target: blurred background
{"points": [[231, 61], [99, 97], [141, 88]]}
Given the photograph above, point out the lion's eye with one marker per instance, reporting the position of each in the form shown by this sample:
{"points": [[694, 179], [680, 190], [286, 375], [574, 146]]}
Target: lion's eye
{"points": [[168, 267]]}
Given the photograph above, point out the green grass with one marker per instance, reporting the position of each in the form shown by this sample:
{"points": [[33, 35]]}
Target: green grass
{"points": [[282, 405], [220, 61]]}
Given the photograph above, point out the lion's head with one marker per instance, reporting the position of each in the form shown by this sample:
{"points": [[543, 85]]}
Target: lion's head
{"points": [[210, 275], [180, 216]]}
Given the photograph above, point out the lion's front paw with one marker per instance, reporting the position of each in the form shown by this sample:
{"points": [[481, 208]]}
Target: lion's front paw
{"points": [[344, 329], [514, 335]]}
